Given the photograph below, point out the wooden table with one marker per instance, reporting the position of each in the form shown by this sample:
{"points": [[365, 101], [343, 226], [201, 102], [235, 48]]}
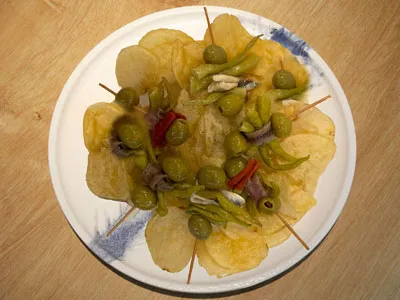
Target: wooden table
{"points": [[41, 44]]}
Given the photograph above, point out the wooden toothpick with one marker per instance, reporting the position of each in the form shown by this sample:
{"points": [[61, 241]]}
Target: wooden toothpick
{"points": [[209, 26], [192, 262], [120, 221], [292, 231], [296, 114], [107, 89]]}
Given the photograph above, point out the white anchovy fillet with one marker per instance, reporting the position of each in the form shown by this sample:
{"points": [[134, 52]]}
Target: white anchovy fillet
{"points": [[234, 198], [194, 198], [225, 78], [221, 86]]}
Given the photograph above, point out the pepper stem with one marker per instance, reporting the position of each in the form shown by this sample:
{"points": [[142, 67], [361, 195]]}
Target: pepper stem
{"points": [[107, 89], [192, 262], [209, 26], [293, 231], [296, 114], [120, 221]]}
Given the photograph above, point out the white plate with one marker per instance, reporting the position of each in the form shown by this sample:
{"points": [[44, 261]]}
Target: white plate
{"points": [[126, 250]]}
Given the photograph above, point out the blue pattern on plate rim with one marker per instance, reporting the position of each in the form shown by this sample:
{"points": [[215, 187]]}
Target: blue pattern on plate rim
{"points": [[114, 247]]}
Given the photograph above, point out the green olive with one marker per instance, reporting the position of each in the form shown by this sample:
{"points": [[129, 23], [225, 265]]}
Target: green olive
{"points": [[235, 143], [177, 133], [234, 165], [211, 177], [281, 125], [269, 205], [199, 227], [144, 198], [230, 104], [214, 54], [127, 98], [175, 168], [284, 80], [131, 135]]}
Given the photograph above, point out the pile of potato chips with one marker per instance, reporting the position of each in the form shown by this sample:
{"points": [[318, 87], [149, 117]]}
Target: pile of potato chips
{"points": [[172, 54]]}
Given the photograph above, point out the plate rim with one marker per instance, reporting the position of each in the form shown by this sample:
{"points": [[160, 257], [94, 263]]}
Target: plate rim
{"points": [[161, 283]]}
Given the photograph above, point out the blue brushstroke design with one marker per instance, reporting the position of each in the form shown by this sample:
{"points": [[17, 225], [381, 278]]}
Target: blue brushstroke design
{"points": [[290, 41], [114, 247]]}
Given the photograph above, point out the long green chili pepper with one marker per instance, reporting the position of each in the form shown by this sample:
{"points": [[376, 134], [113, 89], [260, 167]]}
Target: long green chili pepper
{"points": [[211, 98], [141, 160], [185, 193], [254, 119], [210, 69], [251, 207], [156, 97], [273, 189], [197, 85], [209, 215], [228, 206], [217, 210], [264, 108], [249, 63], [246, 127], [162, 208], [283, 167], [238, 212], [276, 148], [173, 92], [252, 152], [276, 94]]}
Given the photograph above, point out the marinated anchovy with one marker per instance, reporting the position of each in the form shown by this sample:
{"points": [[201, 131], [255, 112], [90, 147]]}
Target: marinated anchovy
{"points": [[255, 189], [234, 198], [261, 136], [194, 198]]}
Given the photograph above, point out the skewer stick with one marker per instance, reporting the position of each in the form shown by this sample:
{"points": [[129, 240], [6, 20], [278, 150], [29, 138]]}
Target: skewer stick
{"points": [[107, 89], [296, 114], [293, 231], [209, 26], [282, 66], [115, 94], [120, 221], [192, 262]]}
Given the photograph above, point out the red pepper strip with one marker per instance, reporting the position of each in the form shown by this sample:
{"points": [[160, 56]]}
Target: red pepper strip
{"points": [[243, 182], [236, 179], [161, 128]]}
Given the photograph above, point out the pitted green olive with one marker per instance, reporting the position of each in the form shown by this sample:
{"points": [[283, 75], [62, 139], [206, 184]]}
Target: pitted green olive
{"points": [[175, 168]]}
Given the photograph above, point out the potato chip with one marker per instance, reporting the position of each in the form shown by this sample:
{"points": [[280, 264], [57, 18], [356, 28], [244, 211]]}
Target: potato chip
{"points": [[97, 124], [169, 240], [208, 138], [229, 34], [321, 151], [209, 264], [184, 59], [191, 112], [161, 42], [271, 53], [303, 201], [107, 175], [138, 68], [298, 70], [278, 237], [311, 121], [243, 253]]}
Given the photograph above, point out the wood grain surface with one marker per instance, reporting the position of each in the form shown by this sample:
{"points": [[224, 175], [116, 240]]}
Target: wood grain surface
{"points": [[41, 44]]}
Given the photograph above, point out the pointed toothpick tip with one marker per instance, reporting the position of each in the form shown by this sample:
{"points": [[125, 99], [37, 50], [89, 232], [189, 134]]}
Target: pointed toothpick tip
{"points": [[293, 231]]}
